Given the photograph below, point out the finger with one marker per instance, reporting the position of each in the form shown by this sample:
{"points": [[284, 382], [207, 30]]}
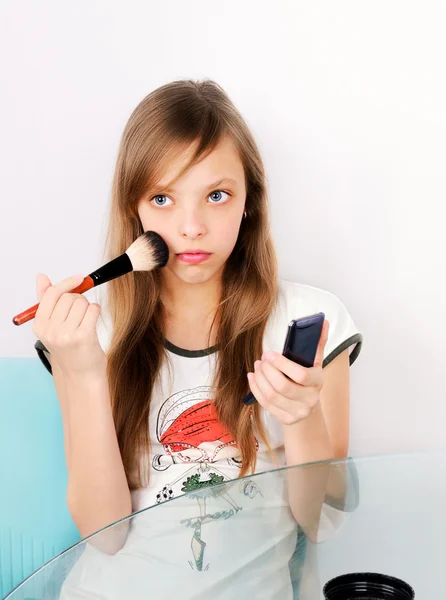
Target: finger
{"points": [[274, 410], [91, 317], [319, 358], [68, 284], [77, 311], [293, 398], [63, 308], [42, 284], [283, 385], [268, 392], [52, 295], [306, 376]]}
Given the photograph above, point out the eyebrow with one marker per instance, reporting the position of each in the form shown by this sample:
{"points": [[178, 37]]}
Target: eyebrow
{"points": [[157, 189]]}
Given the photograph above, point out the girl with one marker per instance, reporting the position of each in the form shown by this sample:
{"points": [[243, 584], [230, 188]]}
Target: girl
{"points": [[151, 394]]}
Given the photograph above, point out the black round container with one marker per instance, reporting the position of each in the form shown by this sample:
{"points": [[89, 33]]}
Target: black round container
{"points": [[367, 586]]}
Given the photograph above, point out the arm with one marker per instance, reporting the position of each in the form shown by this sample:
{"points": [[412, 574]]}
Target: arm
{"points": [[93, 444], [97, 492], [321, 436], [324, 433], [312, 404]]}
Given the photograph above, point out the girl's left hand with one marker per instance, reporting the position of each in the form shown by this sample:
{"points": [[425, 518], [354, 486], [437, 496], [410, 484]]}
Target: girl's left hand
{"points": [[289, 399]]}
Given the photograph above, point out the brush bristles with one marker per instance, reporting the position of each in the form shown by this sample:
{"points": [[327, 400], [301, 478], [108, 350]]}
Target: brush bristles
{"points": [[148, 252]]}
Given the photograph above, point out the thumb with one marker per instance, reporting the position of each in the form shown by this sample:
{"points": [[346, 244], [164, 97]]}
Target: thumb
{"points": [[42, 284]]}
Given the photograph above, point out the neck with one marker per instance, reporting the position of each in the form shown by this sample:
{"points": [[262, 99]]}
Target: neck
{"points": [[189, 309], [190, 301]]}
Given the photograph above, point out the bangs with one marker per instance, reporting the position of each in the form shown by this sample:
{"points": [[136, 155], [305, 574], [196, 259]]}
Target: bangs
{"points": [[179, 142]]}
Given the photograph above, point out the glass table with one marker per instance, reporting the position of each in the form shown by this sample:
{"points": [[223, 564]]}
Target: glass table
{"points": [[281, 534]]}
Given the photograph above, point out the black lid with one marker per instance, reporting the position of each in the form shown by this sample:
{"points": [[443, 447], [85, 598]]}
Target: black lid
{"points": [[367, 586]]}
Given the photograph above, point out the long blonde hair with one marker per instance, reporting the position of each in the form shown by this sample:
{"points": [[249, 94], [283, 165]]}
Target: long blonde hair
{"points": [[165, 123]]}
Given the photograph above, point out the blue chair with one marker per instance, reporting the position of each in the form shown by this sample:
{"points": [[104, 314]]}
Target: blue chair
{"points": [[35, 524]]}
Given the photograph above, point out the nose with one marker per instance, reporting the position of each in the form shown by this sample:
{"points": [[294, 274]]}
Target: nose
{"points": [[192, 224]]}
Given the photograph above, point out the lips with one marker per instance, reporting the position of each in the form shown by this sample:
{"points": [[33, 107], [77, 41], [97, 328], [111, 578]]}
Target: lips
{"points": [[194, 257], [199, 251]]}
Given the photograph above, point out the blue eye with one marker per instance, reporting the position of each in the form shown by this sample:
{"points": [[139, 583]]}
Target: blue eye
{"points": [[158, 200], [217, 195]]}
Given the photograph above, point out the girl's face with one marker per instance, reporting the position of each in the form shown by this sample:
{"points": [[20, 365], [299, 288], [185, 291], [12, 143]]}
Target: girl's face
{"points": [[201, 213]]}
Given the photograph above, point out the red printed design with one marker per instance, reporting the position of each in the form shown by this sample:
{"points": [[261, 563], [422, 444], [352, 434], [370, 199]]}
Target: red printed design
{"points": [[196, 425]]}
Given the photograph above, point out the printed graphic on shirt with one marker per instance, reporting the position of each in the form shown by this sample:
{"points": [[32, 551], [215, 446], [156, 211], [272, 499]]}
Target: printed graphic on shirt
{"points": [[189, 430], [228, 508], [190, 433]]}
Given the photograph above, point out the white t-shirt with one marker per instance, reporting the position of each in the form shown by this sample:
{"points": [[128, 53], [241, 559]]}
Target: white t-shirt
{"points": [[191, 450]]}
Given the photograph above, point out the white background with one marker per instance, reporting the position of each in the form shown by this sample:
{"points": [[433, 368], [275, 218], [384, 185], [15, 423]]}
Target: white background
{"points": [[347, 102]]}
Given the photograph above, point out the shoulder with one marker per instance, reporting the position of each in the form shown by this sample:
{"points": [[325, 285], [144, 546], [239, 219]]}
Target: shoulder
{"points": [[302, 298], [296, 300]]}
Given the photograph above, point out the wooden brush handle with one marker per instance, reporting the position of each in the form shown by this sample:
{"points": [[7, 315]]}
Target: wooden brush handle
{"points": [[30, 313]]}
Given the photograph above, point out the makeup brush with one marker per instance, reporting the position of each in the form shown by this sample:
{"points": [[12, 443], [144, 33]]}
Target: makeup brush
{"points": [[147, 252]]}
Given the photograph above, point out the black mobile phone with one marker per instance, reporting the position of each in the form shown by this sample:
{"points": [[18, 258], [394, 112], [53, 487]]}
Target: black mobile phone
{"points": [[301, 343]]}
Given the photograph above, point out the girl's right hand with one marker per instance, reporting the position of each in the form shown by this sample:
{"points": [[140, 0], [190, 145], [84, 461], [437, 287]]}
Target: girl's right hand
{"points": [[66, 324]]}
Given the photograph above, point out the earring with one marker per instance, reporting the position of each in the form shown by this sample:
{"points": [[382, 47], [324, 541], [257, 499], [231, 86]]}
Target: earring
{"points": [[244, 215]]}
